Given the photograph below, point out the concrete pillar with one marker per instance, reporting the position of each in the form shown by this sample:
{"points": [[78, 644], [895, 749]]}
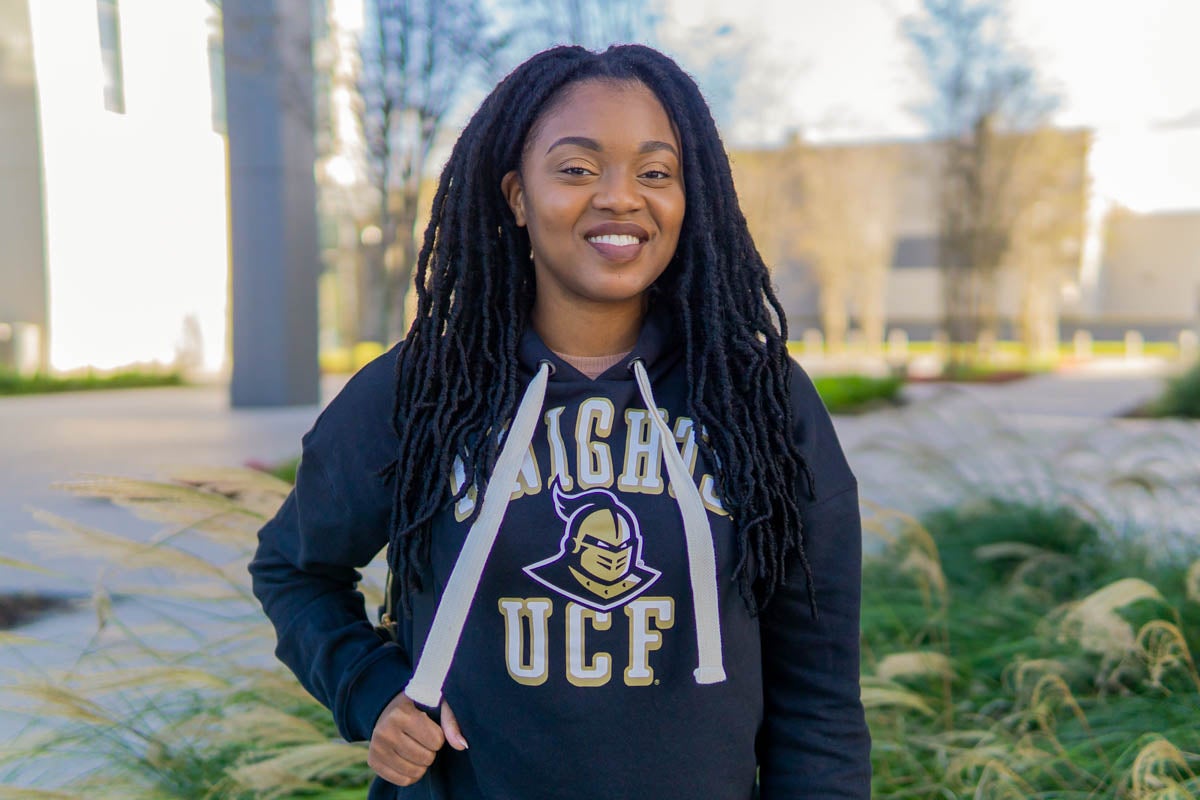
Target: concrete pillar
{"points": [[1133, 344], [272, 202], [941, 343], [1083, 345], [897, 343], [856, 340], [1189, 346], [814, 343], [24, 298], [987, 344]]}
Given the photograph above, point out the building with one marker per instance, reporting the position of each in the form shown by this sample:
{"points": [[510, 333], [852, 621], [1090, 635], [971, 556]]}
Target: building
{"points": [[113, 216], [1149, 276], [1074, 263]]}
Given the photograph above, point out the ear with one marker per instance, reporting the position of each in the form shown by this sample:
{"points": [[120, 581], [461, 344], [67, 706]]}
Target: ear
{"points": [[514, 193]]}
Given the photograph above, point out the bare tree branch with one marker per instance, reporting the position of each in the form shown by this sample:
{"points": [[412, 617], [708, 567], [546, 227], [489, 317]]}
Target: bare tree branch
{"points": [[418, 59], [984, 109]]}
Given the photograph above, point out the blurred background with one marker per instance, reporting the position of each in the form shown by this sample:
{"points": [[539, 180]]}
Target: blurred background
{"points": [[854, 129], [982, 219]]}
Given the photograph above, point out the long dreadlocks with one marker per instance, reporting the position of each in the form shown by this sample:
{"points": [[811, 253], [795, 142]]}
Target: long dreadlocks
{"points": [[457, 376]]}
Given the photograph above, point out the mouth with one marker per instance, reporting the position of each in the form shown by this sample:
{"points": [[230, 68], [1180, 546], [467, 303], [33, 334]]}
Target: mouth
{"points": [[617, 241]]}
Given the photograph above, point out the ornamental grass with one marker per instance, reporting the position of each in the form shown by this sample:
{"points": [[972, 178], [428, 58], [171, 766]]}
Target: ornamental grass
{"points": [[1020, 639]]}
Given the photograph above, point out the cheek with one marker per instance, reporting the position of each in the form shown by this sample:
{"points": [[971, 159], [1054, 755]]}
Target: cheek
{"points": [[554, 213], [671, 216]]}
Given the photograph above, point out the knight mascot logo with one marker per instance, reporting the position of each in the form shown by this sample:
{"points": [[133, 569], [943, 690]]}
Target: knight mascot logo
{"points": [[599, 559]]}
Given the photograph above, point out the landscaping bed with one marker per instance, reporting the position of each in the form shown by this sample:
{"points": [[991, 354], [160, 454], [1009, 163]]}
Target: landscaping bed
{"points": [[13, 384]]}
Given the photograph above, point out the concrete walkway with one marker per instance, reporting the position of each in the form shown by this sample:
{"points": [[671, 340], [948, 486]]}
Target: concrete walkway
{"points": [[127, 433], [1047, 439], [123, 433]]}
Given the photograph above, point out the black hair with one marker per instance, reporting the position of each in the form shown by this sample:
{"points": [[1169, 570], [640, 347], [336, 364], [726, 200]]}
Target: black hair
{"points": [[457, 381]]}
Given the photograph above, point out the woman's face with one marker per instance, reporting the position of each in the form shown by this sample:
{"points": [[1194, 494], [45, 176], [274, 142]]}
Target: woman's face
{"points": [[600, 191]]}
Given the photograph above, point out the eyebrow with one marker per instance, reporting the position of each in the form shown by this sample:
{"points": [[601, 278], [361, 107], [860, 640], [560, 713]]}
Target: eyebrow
{"points": [[591, 144]]}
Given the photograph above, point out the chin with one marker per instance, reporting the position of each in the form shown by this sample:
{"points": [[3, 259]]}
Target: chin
{"points": [[614, 294]]}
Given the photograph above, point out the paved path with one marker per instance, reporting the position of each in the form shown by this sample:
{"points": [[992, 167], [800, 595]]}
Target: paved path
{"points": [[130, 433], [1046, 439]]}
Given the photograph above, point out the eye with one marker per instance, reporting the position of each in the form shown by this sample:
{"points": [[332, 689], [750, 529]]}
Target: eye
{"points": [[576, 170], [656, 175]]}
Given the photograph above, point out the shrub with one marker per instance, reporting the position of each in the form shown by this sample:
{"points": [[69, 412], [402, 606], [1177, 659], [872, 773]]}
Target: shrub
{"points": [[1010, 652], [849, 394], [12, 383], [1181, 397]]}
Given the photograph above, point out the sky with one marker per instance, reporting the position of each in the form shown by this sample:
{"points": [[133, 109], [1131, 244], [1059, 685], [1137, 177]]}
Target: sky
{"points": [[841, 70]]}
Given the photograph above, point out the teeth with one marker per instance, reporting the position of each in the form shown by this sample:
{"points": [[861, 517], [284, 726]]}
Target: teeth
{"points": [[619, 239]]}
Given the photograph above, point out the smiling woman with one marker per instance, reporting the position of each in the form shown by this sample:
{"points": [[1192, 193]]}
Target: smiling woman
{"points": [[600, 190], [625, 537]]}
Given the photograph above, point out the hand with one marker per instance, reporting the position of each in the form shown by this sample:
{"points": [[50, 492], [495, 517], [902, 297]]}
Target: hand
{"points": [[405, 740]]}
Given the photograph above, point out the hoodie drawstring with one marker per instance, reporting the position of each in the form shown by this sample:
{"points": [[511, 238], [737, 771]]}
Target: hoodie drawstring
{"points": [[702, 560], [425, 687]]}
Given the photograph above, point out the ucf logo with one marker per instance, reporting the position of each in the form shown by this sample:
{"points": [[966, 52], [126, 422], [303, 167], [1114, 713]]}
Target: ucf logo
{"points": [[598, 567], [599, 559]]}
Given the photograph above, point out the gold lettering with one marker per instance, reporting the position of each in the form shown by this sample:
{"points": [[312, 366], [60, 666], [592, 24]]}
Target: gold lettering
{"points": [[558, 450], [594, 468], [579, 671], [643, 638], [687, 446], [527, 665], [466, 503], [643, 454], [529, 479], [708, 495]]}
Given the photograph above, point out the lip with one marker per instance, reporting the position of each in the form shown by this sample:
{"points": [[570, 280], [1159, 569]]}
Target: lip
{"points": [[618, 229]]}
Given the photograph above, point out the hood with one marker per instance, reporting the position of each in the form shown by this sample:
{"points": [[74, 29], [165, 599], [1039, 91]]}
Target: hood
{"points": [[656, 351], [659, 345]]}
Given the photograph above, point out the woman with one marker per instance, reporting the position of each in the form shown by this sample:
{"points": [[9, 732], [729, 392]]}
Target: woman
{"points": [[626, 538]]}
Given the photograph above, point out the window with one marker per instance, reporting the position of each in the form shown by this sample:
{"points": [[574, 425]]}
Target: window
{"points": [[915, 251], [110, 55]]}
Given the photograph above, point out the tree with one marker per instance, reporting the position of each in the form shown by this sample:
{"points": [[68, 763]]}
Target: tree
{"points": [[985, 104], [418, 57], [846, 228], [595, 24], [1051, 194], [832, 208]]}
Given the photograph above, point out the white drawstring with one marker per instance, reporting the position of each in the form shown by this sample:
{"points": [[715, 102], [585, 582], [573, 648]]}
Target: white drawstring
{"points": [[425, 687], [702, 561]]}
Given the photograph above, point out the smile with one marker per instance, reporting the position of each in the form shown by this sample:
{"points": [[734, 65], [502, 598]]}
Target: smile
{"points": [[616, 247], [620, 240]]}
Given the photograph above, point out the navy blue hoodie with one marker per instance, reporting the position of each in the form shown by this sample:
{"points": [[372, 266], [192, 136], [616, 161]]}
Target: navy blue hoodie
{"points": [[574, 672]]}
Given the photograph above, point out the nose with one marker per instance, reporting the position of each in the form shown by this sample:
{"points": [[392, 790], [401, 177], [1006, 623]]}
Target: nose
{"points": [[618, 192]]}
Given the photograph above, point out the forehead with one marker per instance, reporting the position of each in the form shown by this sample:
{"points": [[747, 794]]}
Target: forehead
{"points": [[616, 113]]}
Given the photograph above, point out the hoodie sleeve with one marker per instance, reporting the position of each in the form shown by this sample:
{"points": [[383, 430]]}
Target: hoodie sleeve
{"points": [[304, 571], [814, 741]]}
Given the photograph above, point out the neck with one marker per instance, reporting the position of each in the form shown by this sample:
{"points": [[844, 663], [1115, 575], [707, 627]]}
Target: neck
{"points": [[598, 329]]}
